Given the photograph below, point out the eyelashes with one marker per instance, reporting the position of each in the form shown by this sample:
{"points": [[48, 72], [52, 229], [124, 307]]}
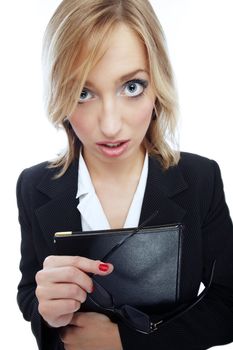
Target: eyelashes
{"points": [[132, 89], [85, 95]]}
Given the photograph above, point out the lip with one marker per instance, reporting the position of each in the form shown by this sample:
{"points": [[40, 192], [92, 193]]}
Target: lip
{"points": [[113, 152], [111, 141]]}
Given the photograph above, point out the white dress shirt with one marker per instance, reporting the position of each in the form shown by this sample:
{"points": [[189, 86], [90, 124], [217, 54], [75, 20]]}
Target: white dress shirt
{"points": [[90, 208]]}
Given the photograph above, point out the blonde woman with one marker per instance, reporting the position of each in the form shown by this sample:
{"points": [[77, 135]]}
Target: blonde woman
{"points": [[109, 84]]}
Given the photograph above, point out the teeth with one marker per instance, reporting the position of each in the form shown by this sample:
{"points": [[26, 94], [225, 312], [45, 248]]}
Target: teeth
{"points": [[112, 144]]}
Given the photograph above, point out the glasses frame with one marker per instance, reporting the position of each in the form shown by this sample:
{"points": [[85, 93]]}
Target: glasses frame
{"points": [[119, 311], [152, 326]]}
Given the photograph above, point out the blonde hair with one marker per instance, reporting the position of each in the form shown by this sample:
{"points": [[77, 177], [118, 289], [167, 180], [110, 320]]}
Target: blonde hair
{"points": [[75, 40]]}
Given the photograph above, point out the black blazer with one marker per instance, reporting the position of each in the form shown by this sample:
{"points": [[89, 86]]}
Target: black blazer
{"points": [[191, 193]]}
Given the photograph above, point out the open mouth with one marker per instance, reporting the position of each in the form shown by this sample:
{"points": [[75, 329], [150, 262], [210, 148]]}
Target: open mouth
{"points": [[113, 149], [113, 145]]}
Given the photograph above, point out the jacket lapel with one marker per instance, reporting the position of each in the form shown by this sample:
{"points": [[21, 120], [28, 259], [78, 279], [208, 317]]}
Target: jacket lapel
{"points": [[162, 186], [59, 213]]}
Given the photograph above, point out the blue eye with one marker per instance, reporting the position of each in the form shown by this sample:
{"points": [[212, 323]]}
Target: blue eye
{"points": [[134, 88], [85, 96]]}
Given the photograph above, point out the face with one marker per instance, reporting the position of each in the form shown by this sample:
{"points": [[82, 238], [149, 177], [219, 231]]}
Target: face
{"points": [[115, 106]]}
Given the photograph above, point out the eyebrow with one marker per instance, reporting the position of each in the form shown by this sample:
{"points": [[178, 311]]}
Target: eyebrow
{"points": [[131, 75], [123, 78]]}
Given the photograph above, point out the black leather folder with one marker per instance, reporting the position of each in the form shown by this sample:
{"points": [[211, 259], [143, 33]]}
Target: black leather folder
{"points": [[147, 262]]}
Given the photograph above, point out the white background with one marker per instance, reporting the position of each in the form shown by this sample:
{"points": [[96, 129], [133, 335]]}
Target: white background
{"points": [[199, 34]]}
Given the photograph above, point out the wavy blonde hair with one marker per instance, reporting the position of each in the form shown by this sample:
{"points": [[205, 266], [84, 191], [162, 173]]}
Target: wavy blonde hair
{"points": [[76, 39]]}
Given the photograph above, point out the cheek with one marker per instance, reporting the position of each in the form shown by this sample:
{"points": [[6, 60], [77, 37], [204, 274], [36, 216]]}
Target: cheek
{"points": [[142, 115], [80, 125]]}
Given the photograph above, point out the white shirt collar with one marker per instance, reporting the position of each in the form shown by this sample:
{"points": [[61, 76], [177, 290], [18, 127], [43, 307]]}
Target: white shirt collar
{"points": [[85, 185], [92, 214]]}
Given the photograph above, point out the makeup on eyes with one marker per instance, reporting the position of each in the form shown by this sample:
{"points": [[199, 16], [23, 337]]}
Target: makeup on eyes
{"points": [[137, 81], [142, 82], [84, 94], [134, 82]]}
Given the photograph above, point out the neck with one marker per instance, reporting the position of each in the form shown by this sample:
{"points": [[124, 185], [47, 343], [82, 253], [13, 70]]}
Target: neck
{"points": [[116, 172]]}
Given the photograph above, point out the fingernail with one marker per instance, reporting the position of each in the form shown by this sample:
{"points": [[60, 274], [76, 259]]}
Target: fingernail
{"points": [[92, 289], [103, 267]]}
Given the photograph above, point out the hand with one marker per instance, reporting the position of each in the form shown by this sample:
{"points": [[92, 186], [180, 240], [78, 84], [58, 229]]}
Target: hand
{"points": [[91, 331], [63, 284]]}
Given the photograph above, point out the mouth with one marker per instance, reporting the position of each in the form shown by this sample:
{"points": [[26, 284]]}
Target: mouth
{"points": [[113, 149], [113, 144]]}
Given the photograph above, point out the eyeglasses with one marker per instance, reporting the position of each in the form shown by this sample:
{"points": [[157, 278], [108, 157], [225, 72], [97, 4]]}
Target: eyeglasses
{"points": [[138, 320], [134, 318]]}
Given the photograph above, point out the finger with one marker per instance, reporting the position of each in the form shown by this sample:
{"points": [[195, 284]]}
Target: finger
{"points": [[87, 265], [55, 309], [67, 274], [75, 319], [82, 319], [96, 267], [61, 291], [69, 335], [79, 319]]}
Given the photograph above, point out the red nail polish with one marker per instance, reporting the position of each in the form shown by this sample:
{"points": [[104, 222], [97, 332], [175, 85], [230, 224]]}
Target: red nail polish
{"points": [[103, 267], [92, 289]]}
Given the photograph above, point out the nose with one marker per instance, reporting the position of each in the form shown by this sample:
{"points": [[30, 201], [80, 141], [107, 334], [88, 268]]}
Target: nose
{"points": [[110, 118]]}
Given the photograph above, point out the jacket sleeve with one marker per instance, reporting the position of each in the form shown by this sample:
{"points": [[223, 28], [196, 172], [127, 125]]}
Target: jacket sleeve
{"points": [[210, 322], [47, 338]]}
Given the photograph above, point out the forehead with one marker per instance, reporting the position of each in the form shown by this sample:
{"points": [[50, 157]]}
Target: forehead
{"points": [[124, 53]]}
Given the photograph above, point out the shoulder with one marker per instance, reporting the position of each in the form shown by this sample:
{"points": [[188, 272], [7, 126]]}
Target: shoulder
{"points": [[31, 177], [200, 171], [194, 160], [43, 179], [35, 173], [197, 165]]}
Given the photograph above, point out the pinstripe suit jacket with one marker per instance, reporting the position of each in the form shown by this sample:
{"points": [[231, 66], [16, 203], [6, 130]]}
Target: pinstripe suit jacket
{"points": [[191, 193]]}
